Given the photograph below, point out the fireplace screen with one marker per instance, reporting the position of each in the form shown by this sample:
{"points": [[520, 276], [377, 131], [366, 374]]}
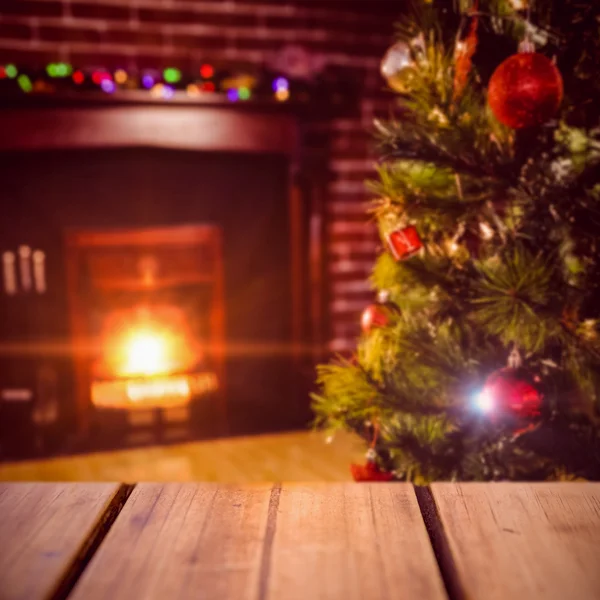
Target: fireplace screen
{"points": [[148, 304]]}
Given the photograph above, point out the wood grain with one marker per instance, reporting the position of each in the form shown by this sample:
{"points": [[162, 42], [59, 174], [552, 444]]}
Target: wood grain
{"points": [[351, 541], [181, 541], [43, 528], [265, 542], [523, 540]]}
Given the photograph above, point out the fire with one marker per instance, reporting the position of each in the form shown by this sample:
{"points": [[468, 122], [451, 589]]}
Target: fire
{"points": [[146, 353], [149, 358], [146, 342], [168, 391]]}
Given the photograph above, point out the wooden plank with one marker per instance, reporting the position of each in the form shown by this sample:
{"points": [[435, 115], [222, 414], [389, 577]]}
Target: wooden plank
{"points": [[351, 541], [523, 540], [44, 528], [260, 542], [183, 541]]}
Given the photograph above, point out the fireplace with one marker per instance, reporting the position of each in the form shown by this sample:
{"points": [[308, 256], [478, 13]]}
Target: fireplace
{"points": [[178, 295], [149, 304]]}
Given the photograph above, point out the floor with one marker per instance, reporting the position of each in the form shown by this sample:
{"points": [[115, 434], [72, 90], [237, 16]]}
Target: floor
{"points": [[291, 457]]}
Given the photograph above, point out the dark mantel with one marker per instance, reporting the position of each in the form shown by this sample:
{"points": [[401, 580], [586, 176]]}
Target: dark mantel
{"points": [[215, 127]]}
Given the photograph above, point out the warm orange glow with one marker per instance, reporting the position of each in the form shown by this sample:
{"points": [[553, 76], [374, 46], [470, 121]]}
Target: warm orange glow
{"points": [[146, 353], [145, 342], [164, 391]]}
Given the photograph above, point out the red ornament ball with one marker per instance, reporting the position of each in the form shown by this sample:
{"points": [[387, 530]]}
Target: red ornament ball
{"points": [[525, 90], [378, 314], [375, 315], [510, 392], [369, 472]]}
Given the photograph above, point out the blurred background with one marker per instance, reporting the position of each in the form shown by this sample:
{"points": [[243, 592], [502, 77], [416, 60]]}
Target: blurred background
{"points": [[183, 234]]}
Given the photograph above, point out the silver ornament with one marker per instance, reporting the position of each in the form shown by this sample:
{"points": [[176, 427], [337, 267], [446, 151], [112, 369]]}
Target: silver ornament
{"points": [[398, 66]]}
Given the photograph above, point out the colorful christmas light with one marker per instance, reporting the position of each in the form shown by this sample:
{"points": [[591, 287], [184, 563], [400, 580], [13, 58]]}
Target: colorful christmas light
{"points": [[172, 75], [108, 86], [206, 71], [11, 71], [281, 83], [24, 83], [120, 76], [282, 95], [147, 81]]}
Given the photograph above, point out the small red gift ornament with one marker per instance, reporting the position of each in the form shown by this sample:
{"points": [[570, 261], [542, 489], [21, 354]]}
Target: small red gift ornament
{"points": [[370, 471], [378, 314], [404, 242]]}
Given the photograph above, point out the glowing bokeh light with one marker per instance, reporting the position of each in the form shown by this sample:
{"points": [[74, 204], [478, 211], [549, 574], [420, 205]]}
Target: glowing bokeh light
{"points": [[24, 83], [2, 72], [192, 90], [147, 81], [78, 77], [282, 95], [484, 401], [168, 92], [99, 76], [157, 90], [145, 354], [120, 76], [63, 70], [232, 95], [281, 83], [208, 86], [108, 86], [244, 93], [172, 75], [206, 71], [11, 71]]}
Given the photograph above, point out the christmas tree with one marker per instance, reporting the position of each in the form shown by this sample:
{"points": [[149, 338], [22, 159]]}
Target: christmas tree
{"points": [[480, 358]]}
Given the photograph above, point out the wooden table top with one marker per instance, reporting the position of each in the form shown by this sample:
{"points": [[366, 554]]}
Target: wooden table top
{"points": [[330, 541]]}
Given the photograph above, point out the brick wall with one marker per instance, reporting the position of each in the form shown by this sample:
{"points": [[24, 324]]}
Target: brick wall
{"points": [[348, 34]]}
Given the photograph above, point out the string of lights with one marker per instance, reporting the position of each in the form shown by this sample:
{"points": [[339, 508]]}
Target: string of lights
{"points": [[231, 84]]}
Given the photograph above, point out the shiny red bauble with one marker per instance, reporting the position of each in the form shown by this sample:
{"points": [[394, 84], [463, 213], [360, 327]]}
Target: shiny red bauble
{"points": [[369, 472], [511, 392], [525, 90], [375, 315], [378, 314]]}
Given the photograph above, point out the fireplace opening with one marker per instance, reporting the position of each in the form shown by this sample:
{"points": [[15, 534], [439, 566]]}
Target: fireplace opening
{"points": [[151, 302], [167, 287]]}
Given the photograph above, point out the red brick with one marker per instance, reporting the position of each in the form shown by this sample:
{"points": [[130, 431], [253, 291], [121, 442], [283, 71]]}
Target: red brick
{"points": [[250, 43], [325, 23], [68, 34], [151, 61], [28, 7], [197, 42], [229, 19], [99, 58], [134, 37], [100, 11], [374, 9], [14, 31], [36, 59]]}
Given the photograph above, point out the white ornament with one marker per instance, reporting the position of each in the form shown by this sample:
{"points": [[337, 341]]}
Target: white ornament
{"points": [[397, 66]]}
